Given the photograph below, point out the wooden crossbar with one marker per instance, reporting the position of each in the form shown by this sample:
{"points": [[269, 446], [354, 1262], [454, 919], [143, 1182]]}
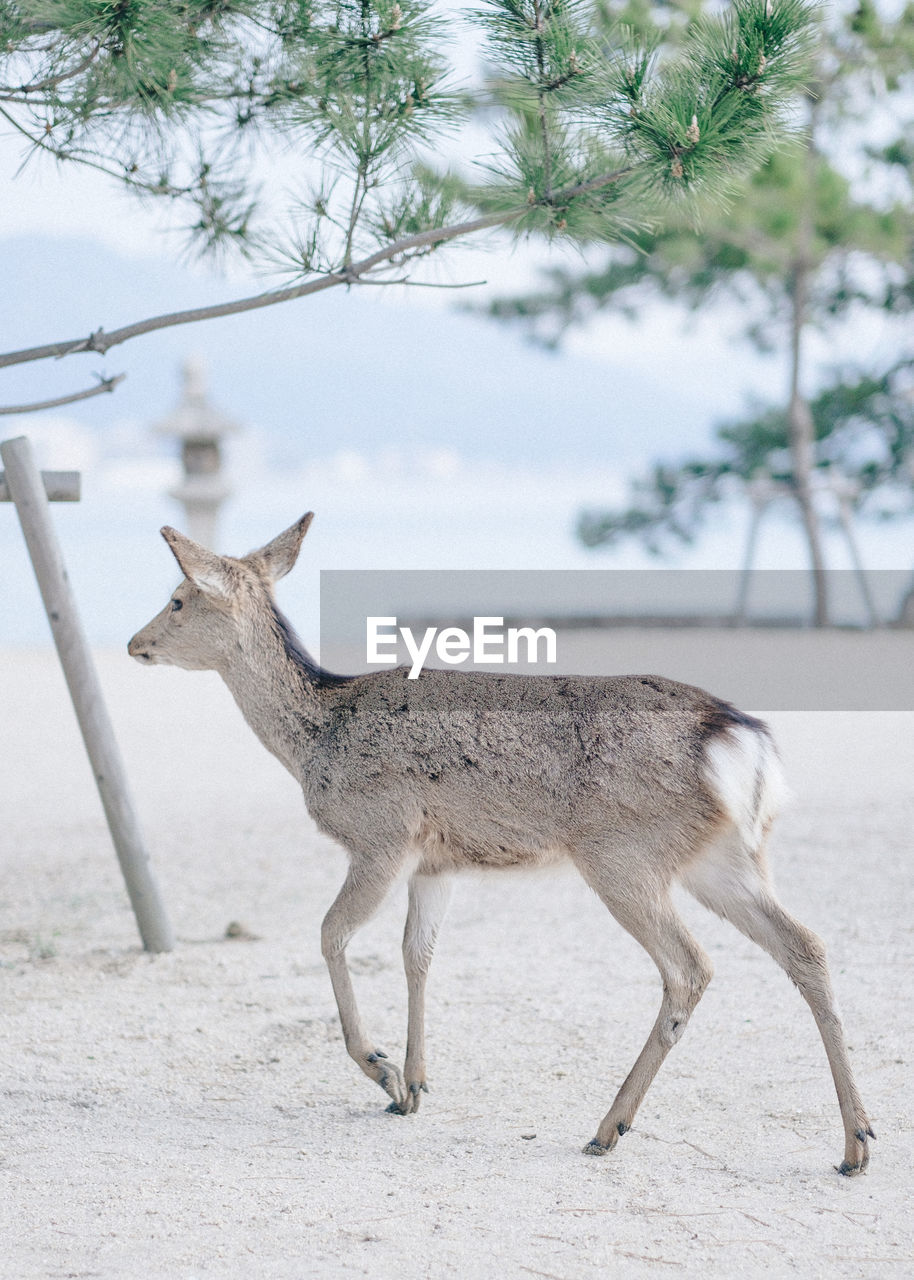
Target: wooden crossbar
{"points": [[59, 486]]}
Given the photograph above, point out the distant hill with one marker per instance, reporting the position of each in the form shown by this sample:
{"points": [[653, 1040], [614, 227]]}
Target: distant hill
{"points": [[423, 438], [346, 370]]}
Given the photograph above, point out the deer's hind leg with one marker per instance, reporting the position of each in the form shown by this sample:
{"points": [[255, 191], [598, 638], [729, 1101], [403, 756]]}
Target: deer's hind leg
{"points": [[732, 881], [647, 912]]}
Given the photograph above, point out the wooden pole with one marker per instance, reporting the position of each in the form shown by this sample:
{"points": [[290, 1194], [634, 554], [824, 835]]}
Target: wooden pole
{"points": [[28, 493]]}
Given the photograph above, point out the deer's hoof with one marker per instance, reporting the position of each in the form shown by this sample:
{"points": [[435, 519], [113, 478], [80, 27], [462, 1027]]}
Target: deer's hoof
{"points": [[409, 1107], [389, 1077], [596, 1147], [859, 1153]]}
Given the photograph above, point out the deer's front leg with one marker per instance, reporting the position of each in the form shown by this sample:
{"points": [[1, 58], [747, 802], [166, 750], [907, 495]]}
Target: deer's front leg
{"points": [[428, 901], [363, 891]]}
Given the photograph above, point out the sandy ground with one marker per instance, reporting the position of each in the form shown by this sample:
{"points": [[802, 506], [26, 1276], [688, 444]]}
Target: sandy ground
{"points": [[195, 1114]]}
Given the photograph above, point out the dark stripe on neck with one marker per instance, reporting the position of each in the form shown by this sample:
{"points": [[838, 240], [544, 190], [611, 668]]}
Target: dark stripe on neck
{"points": [[295, 650]]}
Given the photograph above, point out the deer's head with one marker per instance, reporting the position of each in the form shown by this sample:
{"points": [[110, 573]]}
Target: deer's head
{"points": [[217, 609]]}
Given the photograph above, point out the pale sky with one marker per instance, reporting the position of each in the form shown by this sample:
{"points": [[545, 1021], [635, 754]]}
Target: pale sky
{"points": [[692, 360]]}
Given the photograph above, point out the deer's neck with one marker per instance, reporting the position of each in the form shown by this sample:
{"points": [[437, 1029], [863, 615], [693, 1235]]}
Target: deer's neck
{"points": [[277, 687]]}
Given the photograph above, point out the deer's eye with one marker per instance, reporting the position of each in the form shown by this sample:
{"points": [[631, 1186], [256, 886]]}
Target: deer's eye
{"points": [[176, 605]]}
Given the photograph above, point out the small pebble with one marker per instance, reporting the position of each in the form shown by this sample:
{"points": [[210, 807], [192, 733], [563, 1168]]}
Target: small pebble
{"points": [[236, 930]]}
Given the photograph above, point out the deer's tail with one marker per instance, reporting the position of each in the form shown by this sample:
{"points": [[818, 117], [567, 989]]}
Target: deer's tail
{"points": [[743, 768]]}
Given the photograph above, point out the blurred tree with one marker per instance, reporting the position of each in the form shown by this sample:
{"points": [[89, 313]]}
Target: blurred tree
{"points": [[823, 228], [594, 132], [863, 427]]}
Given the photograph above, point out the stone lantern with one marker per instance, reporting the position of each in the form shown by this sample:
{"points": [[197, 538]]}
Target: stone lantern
{"points": [[201, 428]]}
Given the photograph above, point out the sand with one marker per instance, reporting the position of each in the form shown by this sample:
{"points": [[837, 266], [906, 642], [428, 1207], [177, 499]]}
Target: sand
{"points": [[195, 1114]]}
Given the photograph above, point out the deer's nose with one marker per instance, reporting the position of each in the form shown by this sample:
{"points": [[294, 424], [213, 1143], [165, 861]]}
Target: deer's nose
{"points": [[137, 649]]}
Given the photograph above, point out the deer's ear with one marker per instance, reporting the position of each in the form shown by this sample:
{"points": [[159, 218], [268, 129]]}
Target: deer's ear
{"points": [[279, 556], [203, 568]]}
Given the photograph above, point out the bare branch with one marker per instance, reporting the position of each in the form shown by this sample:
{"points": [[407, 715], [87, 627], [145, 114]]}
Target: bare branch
{"points": [[593, 184], [106, 384], [125, 176], [433, 284], [101, 342], [39, 86], [541, 95], [559, 82], [422, 284]]}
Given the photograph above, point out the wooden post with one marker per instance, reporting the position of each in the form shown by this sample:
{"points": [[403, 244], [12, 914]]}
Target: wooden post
{"points": [[27, 491]]}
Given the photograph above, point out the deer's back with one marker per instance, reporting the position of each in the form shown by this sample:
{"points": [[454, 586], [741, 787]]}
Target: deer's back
{"points": [[506, 770]]}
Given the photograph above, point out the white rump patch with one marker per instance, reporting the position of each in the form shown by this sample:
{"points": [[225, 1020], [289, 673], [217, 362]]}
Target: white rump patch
{"points": [[745, 772]]}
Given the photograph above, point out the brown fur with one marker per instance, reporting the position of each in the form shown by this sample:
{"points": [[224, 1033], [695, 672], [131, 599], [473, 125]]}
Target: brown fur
{"points": [[637, 780]]}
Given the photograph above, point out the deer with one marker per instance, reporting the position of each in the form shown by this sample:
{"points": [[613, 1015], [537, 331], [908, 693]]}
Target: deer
{"points": [[641, 782]]}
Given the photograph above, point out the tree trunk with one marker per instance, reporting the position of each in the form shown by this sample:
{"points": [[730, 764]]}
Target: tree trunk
{"points": [[802, 452], [801, 426]]}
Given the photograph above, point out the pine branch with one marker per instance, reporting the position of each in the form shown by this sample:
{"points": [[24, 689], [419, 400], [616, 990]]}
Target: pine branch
{"points": [[541, 98], [100, 341], [593, 130]]}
